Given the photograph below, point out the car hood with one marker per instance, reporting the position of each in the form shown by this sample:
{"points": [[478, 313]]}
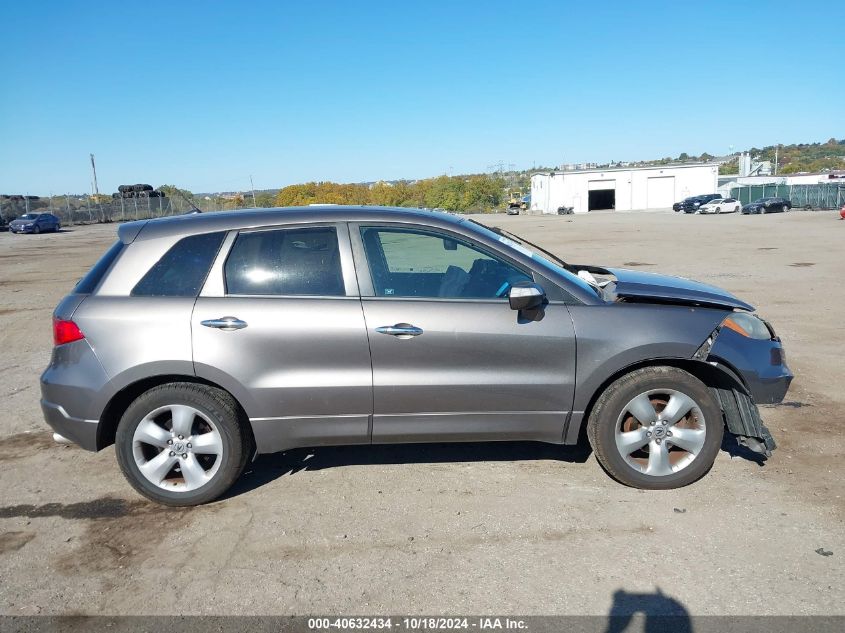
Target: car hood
{"points": [[635, 284]]}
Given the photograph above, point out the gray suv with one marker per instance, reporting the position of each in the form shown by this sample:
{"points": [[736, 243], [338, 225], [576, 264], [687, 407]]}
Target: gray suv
{"points": [[197, 342]]}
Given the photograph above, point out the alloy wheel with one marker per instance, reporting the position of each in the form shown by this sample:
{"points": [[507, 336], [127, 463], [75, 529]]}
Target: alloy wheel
{"points": [[660, 432], [177, 447]]}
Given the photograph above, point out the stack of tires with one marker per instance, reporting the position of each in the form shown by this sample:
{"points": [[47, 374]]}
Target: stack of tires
{"points": [[137, 191]]}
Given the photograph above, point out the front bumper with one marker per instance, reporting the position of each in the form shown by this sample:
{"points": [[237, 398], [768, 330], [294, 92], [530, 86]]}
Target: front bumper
{"points": [[761, 364], [21, 229]]}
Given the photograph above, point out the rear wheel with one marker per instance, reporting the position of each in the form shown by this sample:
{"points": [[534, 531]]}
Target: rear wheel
{"points": [[181, 444], [656, 428]]}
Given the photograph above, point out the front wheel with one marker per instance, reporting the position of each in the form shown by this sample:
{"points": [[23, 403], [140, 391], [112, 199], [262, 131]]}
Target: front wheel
{"points": [[37, 229], [182, 444], [718, 210], [656, 428]]}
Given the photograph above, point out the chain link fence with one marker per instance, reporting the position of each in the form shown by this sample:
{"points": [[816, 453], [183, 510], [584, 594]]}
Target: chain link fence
{"points": [[99, 209], [823, 196]]}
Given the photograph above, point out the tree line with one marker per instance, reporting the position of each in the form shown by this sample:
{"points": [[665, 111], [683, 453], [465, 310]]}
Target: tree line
{"points": [[479, 192]]}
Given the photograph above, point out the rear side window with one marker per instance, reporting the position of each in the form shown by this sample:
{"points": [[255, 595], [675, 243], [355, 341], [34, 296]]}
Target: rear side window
{"points": [[90, 281], [183, 269], [285, 262]]}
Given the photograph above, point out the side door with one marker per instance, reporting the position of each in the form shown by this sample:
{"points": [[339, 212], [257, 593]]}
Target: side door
{"points": [[451, 361], [279, 324]]}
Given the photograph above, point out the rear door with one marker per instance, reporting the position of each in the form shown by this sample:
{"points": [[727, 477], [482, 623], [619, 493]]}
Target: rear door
{"points": [[279, 324], [451, 361]]}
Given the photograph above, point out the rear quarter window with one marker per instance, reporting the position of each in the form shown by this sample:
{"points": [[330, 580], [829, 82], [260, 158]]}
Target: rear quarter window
{"points": [[182, 270], [92, 279]]}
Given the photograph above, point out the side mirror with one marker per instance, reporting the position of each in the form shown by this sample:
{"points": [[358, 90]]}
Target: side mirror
{"points": [[526, 295]]}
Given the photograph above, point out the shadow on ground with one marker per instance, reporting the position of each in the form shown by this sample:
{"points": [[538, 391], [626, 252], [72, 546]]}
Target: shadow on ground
{"points": [[268, 468], [655, 612]]}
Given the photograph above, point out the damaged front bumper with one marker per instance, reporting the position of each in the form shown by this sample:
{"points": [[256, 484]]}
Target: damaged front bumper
{"points": [[762, 376], [743, 420]]}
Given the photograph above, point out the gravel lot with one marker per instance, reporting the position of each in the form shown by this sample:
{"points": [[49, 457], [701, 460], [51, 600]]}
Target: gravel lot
{"points": [[479, 528]]}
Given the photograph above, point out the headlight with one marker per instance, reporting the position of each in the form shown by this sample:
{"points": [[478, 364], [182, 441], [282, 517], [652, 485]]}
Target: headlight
{"points": [[748, 325]]}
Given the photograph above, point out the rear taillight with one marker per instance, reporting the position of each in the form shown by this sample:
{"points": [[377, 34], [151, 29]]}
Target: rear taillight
{"points": [[65, 332]]}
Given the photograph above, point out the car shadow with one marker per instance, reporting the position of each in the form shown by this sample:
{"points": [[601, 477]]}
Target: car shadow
{"points": [[268, 468]]}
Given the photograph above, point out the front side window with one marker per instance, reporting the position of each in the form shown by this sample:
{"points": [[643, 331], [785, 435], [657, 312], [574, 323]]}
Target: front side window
{"points": [[182, 270], [303, 262], [418, 263]]}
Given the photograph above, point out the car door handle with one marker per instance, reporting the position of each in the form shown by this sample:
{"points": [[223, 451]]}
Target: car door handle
{"points": [[400, 330], [227, 324]]}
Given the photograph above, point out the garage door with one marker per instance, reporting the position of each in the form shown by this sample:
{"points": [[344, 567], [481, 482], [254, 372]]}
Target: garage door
{"points": [[661, 192]]}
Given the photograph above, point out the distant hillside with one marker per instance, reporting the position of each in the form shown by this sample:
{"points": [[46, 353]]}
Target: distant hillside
{"points": [[804, 157]]}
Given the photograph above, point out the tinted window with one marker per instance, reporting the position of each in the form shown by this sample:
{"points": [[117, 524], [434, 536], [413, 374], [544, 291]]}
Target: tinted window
{"points": [[182, 270], [285, 262], [417, 263], [90, 281]]}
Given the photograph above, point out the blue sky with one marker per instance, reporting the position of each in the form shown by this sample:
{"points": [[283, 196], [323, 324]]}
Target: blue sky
{"points": [[203, 94]]}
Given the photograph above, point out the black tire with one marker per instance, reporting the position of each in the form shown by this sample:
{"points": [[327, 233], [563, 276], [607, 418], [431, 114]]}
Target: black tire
{"points": [[220, 407], [601, 426], [36, 230]]}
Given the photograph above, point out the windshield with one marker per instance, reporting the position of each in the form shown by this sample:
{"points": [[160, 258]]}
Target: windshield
{"points": [[29, 216], [551, 262]]}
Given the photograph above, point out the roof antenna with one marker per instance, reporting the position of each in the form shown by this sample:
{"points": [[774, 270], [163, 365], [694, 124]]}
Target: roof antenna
{"points": [[194, 208]]}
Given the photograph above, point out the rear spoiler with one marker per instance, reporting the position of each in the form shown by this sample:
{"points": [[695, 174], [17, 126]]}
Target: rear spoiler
{"points": [[128, 231]]}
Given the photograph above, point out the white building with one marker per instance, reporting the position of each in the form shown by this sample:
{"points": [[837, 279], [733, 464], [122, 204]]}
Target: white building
{"points": [[621, 189]]}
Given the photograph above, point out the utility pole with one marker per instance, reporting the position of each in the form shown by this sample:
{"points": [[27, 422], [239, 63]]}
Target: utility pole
{"points": [[94, 171], [252, 186], [776, 158]]}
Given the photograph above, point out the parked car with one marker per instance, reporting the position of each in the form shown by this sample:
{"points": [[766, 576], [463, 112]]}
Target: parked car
{"points": [[35, 223], [720, 205], [691, 205], [767, 205], [199, 341], [679, 206], [513, 210]]}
